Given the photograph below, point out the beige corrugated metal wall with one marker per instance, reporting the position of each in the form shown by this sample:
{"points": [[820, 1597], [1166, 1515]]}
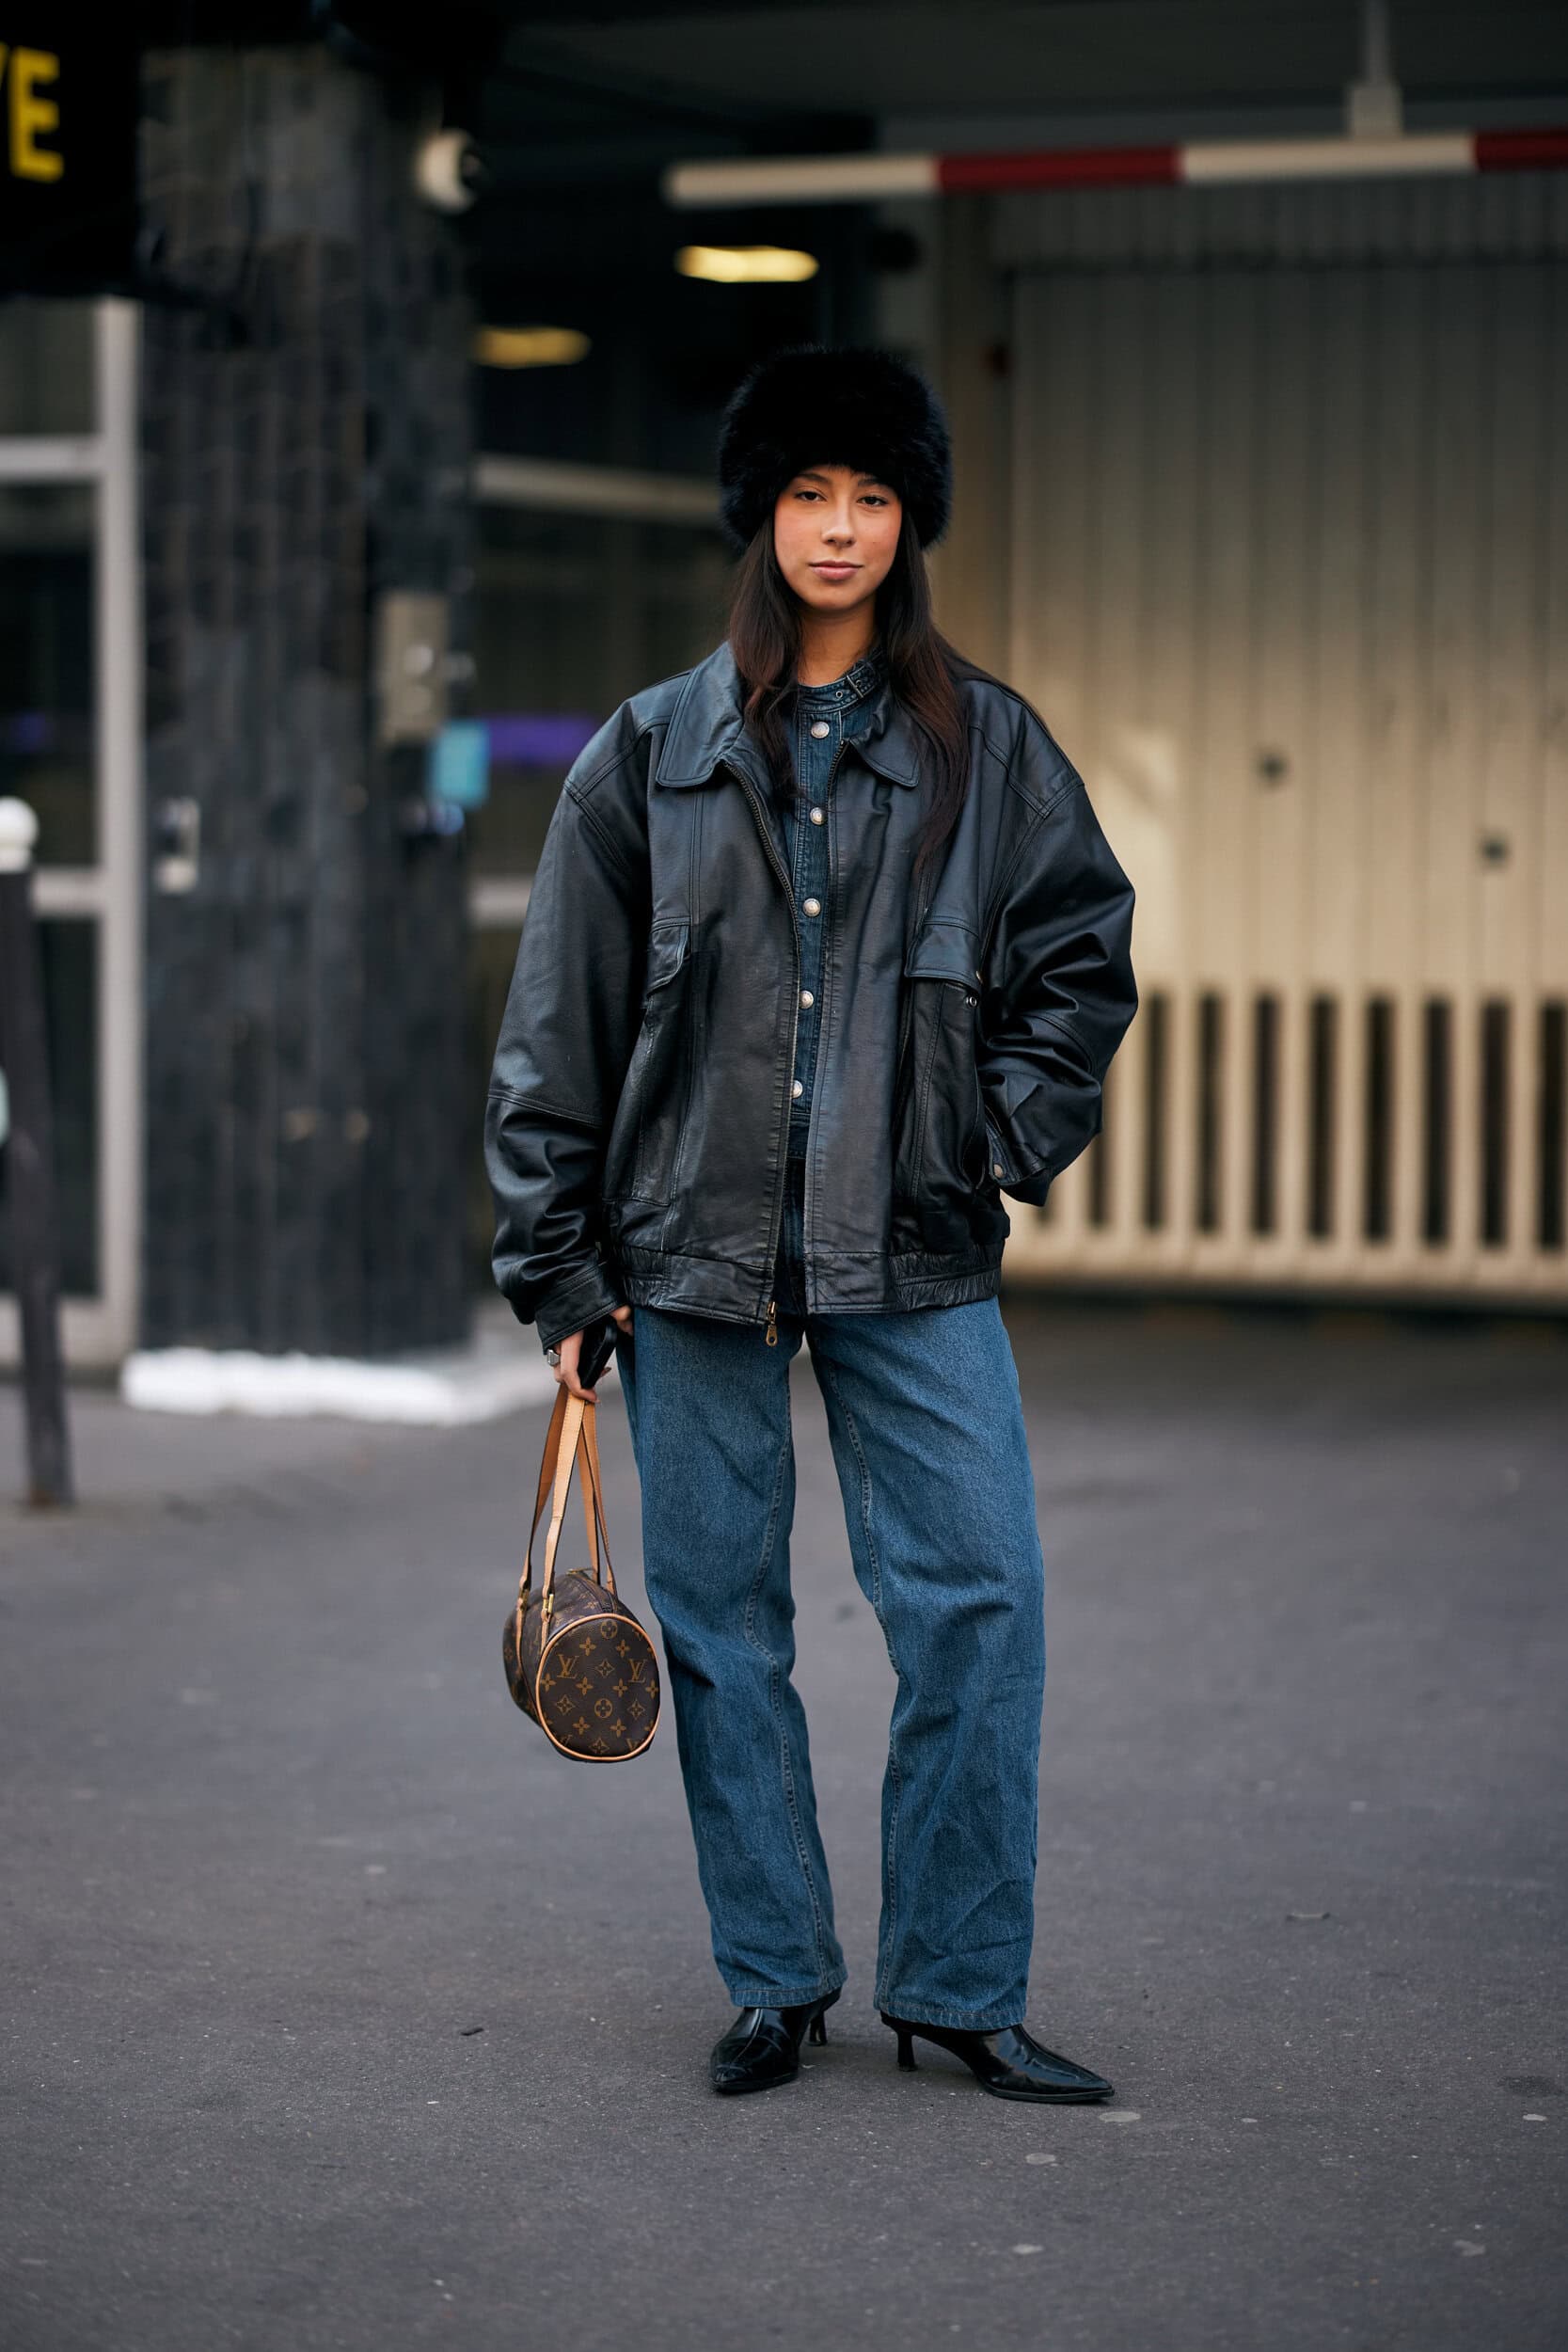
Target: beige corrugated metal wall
{"points": [[1289, 580]]}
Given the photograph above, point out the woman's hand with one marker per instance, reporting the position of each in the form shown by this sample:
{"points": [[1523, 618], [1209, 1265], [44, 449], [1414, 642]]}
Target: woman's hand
{"points": [[566, 1370]]}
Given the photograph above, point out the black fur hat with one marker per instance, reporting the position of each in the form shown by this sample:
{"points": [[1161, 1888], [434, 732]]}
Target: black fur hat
{"points": [[821, 404]]}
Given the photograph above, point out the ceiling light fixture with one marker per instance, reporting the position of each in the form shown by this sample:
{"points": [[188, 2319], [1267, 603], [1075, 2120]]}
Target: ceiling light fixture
{"points": [[530, 346], [747, 264]]}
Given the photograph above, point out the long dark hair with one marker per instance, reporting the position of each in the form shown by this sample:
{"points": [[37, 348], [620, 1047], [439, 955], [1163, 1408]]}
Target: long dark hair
{"points": [[923, 670]]}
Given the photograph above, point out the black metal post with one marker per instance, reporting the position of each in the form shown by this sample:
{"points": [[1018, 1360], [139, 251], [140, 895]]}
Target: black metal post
{"points": [[31, 1198]]}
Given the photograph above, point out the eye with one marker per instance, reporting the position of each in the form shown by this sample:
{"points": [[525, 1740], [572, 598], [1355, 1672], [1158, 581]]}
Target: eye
{"points": [[807, 494], [875, 498]]}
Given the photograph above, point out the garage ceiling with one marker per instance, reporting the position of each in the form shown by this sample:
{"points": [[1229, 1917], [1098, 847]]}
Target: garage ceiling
{"points": [[943, 60]]}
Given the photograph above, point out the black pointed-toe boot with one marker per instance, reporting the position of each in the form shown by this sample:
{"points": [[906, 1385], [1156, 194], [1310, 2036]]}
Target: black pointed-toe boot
{"points": [[763, 2046], [1007, 2061]]}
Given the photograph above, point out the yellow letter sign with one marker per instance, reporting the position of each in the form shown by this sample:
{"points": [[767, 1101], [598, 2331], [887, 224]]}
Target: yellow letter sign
{"points": [[30, 113]]}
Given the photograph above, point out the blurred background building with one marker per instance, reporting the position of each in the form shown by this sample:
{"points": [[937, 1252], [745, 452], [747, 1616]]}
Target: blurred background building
{"points": [[359, 372]]}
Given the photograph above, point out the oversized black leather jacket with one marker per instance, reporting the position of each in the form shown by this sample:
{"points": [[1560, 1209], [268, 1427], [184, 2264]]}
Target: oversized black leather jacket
{"points": [[639, 1103]]}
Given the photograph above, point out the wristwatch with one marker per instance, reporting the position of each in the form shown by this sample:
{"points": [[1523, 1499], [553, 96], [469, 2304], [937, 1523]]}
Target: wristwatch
{"points": [[553, 1353]]}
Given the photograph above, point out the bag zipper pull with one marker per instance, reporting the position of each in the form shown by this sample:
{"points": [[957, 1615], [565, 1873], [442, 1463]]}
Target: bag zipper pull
{"points": [[772, 1332]]}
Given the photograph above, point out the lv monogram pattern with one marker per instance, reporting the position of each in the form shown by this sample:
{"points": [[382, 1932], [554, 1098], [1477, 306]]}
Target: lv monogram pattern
{"points": [[593, 1682]]}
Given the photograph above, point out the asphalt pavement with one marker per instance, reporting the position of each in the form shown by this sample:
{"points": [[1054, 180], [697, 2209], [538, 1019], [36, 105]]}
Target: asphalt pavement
{"points": [[340, 2012]]}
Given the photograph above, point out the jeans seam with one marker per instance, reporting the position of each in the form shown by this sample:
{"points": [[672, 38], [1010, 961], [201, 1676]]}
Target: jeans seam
{"points": [[753, 1994], [960, 2020], [890, 1859], [749, 1626]]}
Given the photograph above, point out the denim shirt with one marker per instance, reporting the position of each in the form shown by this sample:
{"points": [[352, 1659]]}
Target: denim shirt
{"points": [[822, 720]]}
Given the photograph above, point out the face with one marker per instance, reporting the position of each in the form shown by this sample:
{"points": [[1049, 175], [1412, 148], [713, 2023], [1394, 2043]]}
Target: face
{"points": [[836, 534]]}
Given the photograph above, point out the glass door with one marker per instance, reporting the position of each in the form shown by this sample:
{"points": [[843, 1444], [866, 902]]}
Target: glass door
{"points": [[71, 747]]}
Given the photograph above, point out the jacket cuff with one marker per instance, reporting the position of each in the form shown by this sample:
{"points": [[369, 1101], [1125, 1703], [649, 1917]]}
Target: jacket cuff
{"points": [[573, 1302], [1012, 1171]]}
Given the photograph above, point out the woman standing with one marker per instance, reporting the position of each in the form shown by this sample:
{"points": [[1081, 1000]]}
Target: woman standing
{"points": [[825, 953]]}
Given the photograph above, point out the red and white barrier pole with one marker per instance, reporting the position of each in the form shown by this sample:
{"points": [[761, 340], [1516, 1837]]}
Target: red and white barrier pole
{"points": [[871, 177]]}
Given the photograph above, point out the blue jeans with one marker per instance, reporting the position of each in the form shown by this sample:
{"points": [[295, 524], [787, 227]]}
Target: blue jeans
{"points": [[926, 1426]]}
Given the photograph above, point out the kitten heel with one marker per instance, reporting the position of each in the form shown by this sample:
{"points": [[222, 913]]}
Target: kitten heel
{"points": [[906, 2043], [1005, 2060]]}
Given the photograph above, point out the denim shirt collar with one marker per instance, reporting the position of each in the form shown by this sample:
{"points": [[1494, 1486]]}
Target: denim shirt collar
{"points": [[858, 682], [708, 727]]}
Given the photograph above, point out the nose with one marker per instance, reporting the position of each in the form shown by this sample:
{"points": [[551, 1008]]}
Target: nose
{"points": [[839, 527]]}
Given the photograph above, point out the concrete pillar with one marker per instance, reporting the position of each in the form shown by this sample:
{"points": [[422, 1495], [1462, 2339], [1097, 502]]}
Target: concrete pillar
{"points": [[306, 437]]}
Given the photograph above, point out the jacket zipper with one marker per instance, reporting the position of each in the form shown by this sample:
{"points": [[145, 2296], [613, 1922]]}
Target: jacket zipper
{"points": [[771, 846]]}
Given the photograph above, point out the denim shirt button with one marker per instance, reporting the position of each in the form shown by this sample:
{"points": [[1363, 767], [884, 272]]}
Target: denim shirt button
{"points": [[826, 721]]}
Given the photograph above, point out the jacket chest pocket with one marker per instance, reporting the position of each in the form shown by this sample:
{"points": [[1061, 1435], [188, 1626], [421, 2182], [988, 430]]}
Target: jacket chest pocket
{"points": [[645, 1135]]}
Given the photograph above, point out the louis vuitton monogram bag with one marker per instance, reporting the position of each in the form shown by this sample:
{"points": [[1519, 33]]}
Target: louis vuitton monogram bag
{"points": [[577, 1659]]}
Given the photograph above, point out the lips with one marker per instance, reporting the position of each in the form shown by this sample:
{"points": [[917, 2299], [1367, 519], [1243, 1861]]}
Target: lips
{"points": [[835, 571]]}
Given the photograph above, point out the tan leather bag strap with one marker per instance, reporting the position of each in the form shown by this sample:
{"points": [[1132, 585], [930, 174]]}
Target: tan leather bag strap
{"points": [[572, 1438], [566, 1456], [546, 1474], [591, 1444]]}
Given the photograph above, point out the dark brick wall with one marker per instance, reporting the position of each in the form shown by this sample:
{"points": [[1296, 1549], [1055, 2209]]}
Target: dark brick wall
{"points": [[305, 444]]}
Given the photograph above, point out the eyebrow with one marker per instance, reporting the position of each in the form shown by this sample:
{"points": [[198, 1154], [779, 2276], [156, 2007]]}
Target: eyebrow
{"points": [[814, 474]]}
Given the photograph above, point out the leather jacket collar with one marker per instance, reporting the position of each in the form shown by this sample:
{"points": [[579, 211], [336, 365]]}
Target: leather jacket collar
{"points": [[707, 731]]}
